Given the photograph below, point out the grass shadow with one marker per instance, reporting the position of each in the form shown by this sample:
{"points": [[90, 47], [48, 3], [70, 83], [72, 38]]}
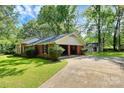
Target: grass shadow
{"points": [[13, 62], [24, 60], [44, 61], [9, 66], [10, 72]]}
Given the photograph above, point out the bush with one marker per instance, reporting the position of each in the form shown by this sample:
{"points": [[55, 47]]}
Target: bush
{"points": [[45, 56], [55, 52], [7, 48], [30, 52]]}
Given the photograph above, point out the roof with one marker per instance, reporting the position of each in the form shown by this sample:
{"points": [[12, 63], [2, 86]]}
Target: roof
{"points": [[35, 40], [64, 39], [30, 41], [92, 44]]}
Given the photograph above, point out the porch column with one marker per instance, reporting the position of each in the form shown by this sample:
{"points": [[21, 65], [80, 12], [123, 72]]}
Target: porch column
{"points": [[78, 50], [69, 52]]}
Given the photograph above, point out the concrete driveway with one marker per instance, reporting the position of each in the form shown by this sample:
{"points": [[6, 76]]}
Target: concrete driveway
{"points": [[89, 72]]}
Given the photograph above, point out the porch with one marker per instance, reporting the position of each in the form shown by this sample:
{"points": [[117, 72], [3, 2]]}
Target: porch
{"points": [[43, 49]]}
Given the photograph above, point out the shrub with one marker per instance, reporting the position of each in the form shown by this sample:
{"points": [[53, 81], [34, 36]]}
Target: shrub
{"points": [[55, 52], [45, 56], [7, 48], [30, 52]]}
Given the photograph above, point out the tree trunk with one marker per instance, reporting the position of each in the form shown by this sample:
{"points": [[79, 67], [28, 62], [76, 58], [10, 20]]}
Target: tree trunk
{"points": [[114, 40], [119, 39], [67, 26], [103, 41], [116, 37], [99, 28]]}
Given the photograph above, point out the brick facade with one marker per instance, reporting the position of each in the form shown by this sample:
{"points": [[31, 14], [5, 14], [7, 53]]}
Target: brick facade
{"points": [[39, 49], [78, 50], [69, 50]]}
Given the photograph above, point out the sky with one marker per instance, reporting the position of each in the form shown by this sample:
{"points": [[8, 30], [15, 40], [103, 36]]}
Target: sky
{"points": [[29, 12]]}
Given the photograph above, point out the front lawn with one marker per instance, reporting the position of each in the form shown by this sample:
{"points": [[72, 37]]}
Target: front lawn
{"points": [[26, 73], [107, 54]]}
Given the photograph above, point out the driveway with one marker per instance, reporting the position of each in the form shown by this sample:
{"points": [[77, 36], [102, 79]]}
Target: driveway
{"points": [[82, 72]]}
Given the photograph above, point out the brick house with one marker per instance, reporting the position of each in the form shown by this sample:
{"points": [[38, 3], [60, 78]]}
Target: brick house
{"points": [[72, 44]]}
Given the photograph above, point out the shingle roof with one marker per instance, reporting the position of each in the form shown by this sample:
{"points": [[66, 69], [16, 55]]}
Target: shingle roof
{"points": [[30, 40], [43, 40]]}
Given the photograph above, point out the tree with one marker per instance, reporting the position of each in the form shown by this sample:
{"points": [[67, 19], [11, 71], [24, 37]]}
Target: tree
{"points": [[94, 14], [119, 11], [8, 30], [8, 18], [33, 29], [59, 18], [98, 9], [101, 19]]}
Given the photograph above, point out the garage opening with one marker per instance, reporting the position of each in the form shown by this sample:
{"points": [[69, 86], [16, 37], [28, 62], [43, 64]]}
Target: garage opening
{"points": [[65, 53], [73, 50]]}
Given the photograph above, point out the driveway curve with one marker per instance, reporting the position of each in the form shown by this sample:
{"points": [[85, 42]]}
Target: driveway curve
{"points": [[89, 72]]}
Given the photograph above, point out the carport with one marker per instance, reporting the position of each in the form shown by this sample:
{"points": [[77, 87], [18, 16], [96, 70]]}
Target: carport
{"points": [[71, 50]]}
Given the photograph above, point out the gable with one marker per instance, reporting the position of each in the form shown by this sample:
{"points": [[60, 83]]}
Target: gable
{"points": [[69, 40]]}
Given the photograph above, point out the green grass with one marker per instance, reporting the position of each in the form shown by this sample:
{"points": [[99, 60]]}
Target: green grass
{"points": [[107, 54], [26, 73]]}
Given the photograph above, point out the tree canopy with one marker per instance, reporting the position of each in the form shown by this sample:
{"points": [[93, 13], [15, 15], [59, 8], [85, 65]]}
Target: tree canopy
{"points": [[104, 24], [107, 22]]}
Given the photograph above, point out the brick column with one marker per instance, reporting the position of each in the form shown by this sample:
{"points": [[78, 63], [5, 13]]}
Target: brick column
{"points": [[78, 50], [69, 52]]}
